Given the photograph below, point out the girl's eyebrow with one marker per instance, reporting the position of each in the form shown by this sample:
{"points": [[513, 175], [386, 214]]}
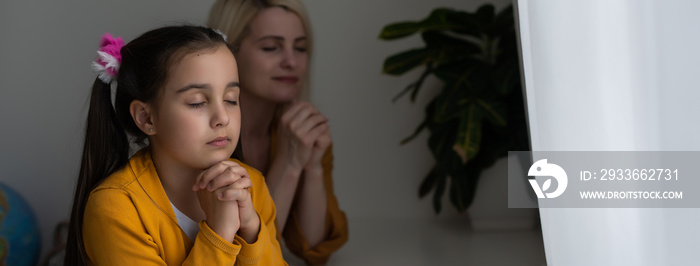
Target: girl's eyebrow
{"points": [[231, 84]]}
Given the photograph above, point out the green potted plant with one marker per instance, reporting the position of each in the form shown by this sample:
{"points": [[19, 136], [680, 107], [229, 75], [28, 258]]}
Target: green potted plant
{"points": [[478, 114]]}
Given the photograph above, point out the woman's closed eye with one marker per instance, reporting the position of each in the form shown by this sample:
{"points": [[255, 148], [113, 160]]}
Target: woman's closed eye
{"points": [[232, 102], [270, 48]]}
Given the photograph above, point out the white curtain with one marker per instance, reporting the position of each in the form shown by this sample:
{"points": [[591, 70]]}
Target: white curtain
{"points": [[614, 75]]}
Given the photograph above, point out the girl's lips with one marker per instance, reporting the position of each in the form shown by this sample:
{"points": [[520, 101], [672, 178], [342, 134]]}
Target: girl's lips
{"points": [[287, 79], [219, 142]]}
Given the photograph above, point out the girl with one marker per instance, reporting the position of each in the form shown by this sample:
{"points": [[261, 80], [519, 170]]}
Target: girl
{"points": [[287, 139], [179, 201]]}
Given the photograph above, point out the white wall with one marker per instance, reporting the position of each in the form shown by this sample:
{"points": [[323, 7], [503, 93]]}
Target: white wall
{"points": [[46, 48]]}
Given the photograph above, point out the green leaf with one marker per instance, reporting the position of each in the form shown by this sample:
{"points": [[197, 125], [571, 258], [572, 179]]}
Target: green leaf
{"points": [[436, 21], [410, 87], [436, 39], [469, 176], [455, 74], [402, 62], [442, 107], [414, 87], [399, 30], [494, 145], [481, 84], [449, 103], [451, 73], [494, 111], [438, 144], [439, 191], [485, 15], [464, 178], [504, 21], [468, 20], [506, 78], [456, 193], [419, 83], [448, 49], [441, 139], [429, 181], [469, 134], [418, 130]]}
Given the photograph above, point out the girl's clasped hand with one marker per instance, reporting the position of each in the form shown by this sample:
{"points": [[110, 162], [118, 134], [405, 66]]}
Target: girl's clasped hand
{"points": [[223, 194]]}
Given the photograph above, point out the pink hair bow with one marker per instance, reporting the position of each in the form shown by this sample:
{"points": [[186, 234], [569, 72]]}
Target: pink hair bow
{"points": [[109, 58]]}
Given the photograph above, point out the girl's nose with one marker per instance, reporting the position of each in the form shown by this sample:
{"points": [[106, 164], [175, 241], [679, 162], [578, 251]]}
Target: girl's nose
{"points": [[220, 116]]}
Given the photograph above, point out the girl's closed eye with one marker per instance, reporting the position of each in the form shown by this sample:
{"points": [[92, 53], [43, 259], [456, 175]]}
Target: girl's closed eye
{"points": [[232, 102], [195, 100], [197, 105]]}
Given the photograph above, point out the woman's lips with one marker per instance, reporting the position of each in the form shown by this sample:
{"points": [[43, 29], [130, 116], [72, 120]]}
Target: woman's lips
{"points": [[219, 142], [286, 79]]}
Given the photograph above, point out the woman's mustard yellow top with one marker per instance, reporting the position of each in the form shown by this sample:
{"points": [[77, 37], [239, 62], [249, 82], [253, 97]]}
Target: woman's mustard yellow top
{"points": [[336, 226], [129, 221]]}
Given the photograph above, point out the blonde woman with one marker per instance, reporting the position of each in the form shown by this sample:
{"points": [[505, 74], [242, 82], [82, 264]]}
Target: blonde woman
{"points": [[287, 139]]}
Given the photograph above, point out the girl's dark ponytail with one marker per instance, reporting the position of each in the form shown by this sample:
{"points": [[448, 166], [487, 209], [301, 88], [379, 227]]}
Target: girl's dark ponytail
{"points": [[106, 150]]}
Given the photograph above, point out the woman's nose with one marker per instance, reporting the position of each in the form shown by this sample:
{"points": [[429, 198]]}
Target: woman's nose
{"points": [[289, 59]]}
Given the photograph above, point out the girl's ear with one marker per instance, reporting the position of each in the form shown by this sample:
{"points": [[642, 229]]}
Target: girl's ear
{"points": [[142, 114]]}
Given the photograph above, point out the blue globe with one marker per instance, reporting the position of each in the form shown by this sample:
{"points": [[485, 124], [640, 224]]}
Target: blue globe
{"points": [[20, 238]]}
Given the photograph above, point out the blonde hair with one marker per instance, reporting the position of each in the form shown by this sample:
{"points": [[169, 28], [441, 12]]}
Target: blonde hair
{"points": [[233, 18]]}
